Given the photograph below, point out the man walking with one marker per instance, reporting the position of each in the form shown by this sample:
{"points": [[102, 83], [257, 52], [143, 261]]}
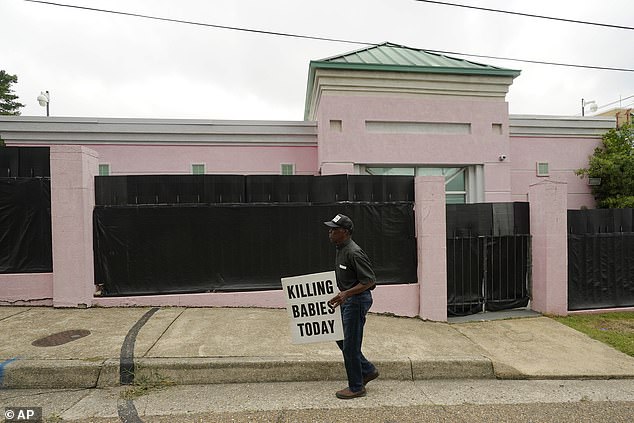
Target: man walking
{"points": [[355, 280]]}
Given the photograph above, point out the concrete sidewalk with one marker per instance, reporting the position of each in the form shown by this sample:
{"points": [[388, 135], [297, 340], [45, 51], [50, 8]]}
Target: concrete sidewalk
{"points": [[225, 345]]}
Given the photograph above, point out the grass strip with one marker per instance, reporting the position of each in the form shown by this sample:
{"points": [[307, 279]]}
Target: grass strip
{"points": [[615, 329]]}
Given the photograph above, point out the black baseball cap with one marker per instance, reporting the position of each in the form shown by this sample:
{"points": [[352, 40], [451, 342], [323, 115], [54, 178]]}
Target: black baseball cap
{"points": [[340, 221]]}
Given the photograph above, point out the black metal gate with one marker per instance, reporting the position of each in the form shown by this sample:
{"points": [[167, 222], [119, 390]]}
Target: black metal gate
{"points": [[488, 257], [600, 258]]}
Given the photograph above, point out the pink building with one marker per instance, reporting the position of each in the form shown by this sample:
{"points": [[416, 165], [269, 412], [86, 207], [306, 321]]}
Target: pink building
{"points": [[383, 110]]}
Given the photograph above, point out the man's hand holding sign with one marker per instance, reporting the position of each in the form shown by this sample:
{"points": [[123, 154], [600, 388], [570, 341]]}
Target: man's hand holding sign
{"points": [[342, 296]]}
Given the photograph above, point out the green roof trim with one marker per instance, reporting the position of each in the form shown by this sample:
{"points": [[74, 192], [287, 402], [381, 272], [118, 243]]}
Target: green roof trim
{"points": [[389, 57], [414, 68]]}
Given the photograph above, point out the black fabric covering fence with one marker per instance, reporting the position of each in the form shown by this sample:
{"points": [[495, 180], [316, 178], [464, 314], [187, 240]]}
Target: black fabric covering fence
{"points": [[495, 219], [27, 162], [488, 257], [598, 221], [25, 225], [600, 258], [164, 249], [231, 189]]}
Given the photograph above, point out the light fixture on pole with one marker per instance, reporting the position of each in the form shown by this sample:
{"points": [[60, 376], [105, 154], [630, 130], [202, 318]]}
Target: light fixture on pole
{"points": [[591, 105], [44, 99]]}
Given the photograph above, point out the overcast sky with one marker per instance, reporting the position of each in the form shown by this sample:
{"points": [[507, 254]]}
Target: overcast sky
{"points": [[103, 65]]}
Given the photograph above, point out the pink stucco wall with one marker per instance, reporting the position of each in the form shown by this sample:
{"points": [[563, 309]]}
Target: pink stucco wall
{"points": [[549, 247], [265, 299], [26, 288], [564, 156], [431, 238], [401, 300], [178, 159], [73, 168], [352, 142]]}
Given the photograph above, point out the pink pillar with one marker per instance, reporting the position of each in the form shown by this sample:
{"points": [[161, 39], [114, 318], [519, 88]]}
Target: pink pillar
{"points": [[548, 210], [432, 246], [73, 169]]}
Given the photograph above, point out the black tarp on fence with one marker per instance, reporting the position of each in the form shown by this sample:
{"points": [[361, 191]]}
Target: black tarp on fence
{"points": [[25, 162], [600, 258], [25, 225], [158, 249], [488, 257], [206, 189]]}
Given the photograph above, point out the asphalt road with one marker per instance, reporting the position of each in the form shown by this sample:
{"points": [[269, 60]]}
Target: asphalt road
{"points": [[612, 412], [387, 402]]}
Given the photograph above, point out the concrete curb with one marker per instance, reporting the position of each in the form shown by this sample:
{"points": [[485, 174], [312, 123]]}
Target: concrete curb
{"points": [[453, 368], [55, 374], [65, 374], [504, 371]]}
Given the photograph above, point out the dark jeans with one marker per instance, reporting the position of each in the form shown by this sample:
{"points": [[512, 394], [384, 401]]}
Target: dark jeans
{"points": [[353, 312]]}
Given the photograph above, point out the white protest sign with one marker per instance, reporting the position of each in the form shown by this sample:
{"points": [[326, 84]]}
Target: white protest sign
{"points": [[312, 318]]}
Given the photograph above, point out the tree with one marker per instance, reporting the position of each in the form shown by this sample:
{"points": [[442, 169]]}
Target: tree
{"points": [[613, 163], [8, 100]]}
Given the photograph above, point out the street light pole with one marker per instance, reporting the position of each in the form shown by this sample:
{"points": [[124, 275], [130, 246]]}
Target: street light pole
{"points": [[592, 105]]}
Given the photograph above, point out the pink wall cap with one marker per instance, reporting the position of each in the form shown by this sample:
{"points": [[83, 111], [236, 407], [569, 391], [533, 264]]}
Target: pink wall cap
{"points": [[73, 149], [548, 182]]}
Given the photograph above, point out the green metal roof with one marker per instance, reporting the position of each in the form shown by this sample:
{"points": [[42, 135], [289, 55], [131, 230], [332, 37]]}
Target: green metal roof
{"points": [[390, 57], [394, 57]]}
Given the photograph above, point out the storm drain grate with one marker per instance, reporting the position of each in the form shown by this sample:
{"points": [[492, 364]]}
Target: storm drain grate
{"points": [[60, 338]]}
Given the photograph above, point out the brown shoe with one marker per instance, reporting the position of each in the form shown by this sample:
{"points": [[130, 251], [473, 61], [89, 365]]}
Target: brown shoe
{"points": [[370, 377], [348, 394]]}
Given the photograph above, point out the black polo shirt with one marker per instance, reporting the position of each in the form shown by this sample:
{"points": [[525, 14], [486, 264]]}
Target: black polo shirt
{"points": [[352, 266]]}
